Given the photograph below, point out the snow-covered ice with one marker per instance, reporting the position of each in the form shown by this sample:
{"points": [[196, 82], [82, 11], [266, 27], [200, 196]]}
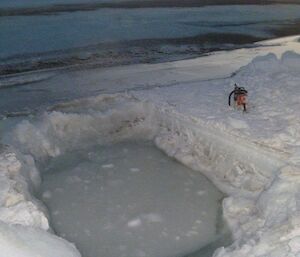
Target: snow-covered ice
{"points": [[252, 157]]}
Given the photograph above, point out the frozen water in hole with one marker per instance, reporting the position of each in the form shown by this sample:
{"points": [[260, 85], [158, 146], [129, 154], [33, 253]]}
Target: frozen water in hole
{"points": [[129, 199]]}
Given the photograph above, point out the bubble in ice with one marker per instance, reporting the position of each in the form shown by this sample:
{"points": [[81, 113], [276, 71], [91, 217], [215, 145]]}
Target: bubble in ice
{"points": [[201, 192], [134, 170], [73, 179], [55, 213], [107, 166], [47, 194], [87, 232], [153, 218], [134, 223], [141, 253]]}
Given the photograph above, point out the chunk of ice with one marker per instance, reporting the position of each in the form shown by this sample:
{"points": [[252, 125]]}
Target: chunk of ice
{"points": [[134, 223]]}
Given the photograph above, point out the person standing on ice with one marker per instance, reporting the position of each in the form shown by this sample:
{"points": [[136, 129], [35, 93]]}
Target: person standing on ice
{"points": [[239, 97]]}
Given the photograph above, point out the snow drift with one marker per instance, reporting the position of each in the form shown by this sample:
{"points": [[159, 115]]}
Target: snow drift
{"points": [[253, 158]]}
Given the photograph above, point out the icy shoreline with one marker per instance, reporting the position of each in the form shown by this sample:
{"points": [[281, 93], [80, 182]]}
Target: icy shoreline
{"points": [[253, 158]]}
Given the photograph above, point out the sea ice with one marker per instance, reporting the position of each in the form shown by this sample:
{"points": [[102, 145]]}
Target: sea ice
{"points": [[256, 165], [149, 212]]}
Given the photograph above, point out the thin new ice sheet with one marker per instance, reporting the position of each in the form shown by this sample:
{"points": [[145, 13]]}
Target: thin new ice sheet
{"points": [[131, 200]]}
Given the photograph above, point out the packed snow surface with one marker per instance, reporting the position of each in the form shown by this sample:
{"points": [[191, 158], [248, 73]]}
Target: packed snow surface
{"points": [[129, 199], [252, 157]]}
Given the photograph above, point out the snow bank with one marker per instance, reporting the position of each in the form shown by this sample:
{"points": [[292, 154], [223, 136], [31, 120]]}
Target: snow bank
{"points": [[82, 123], [105, 119], [234, 165], [18, 180], [23, 220], [18, 240], [274, 102], [108, 119], [252, 157]]}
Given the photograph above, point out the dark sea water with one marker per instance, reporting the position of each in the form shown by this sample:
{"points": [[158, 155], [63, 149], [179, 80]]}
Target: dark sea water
{"points": [[37, 35], [34, 3]]}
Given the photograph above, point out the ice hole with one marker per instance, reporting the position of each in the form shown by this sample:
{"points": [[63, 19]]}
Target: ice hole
{"points": [[131, 200]]}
